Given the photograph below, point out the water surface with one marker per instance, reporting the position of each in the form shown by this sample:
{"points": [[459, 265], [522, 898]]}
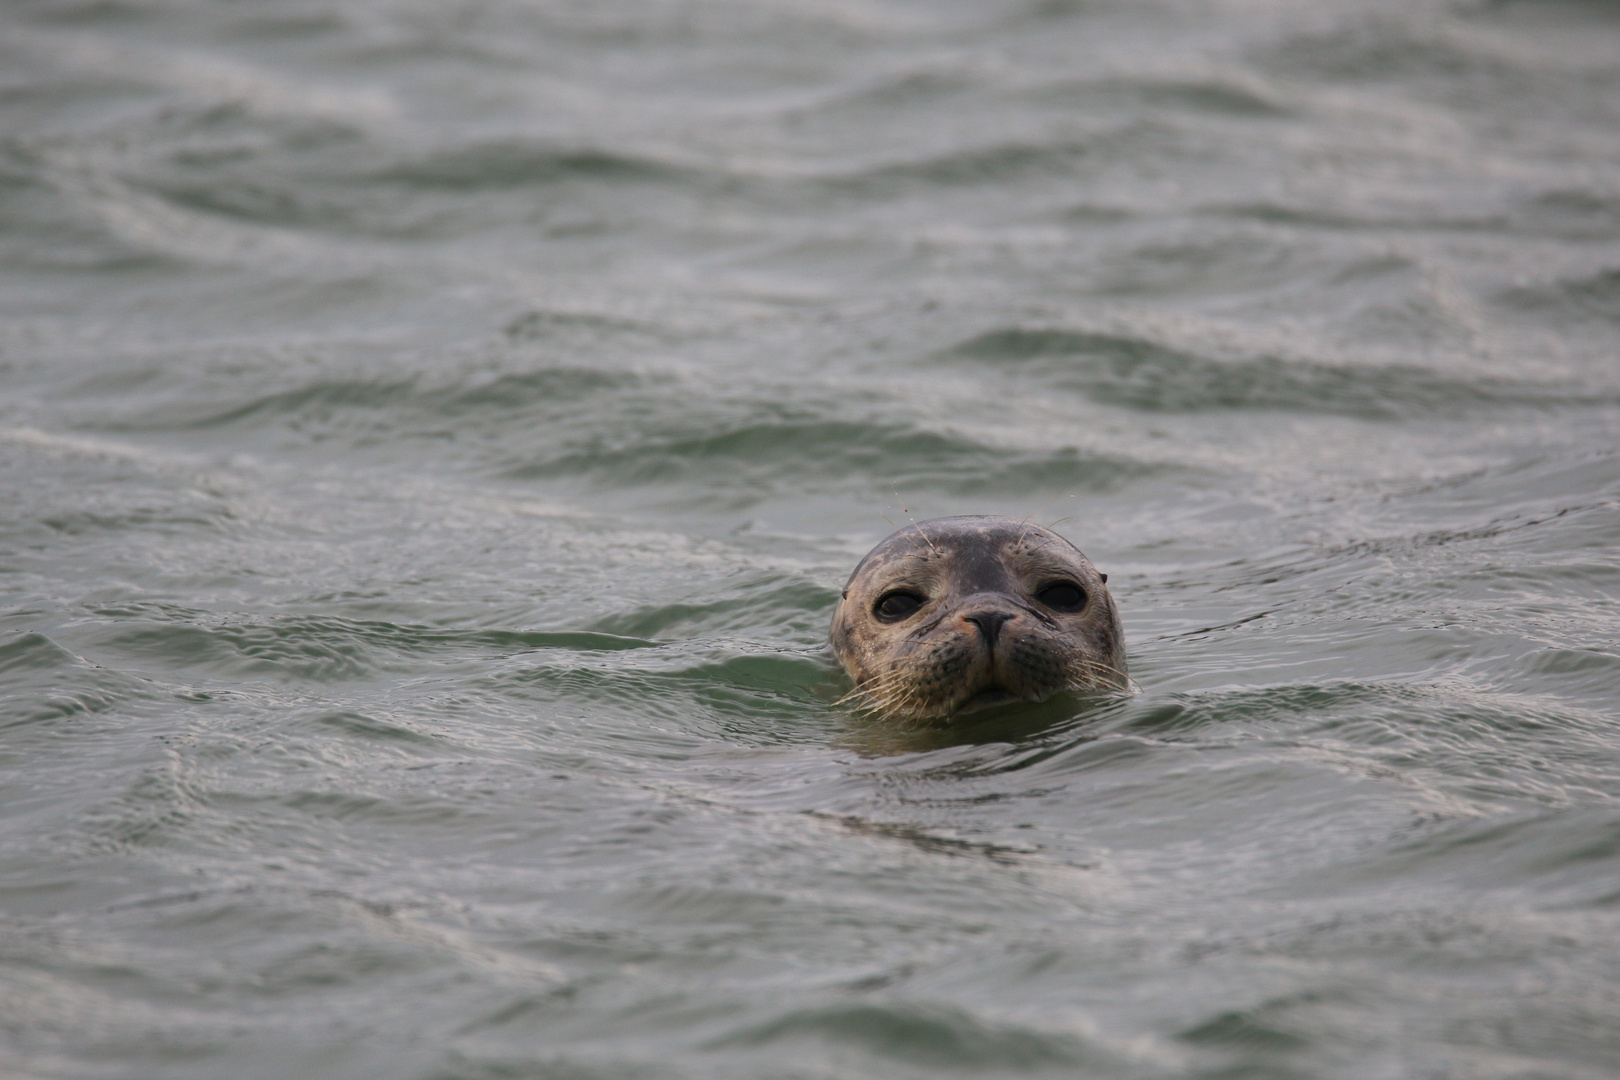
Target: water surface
{"points": [[433, 435]]}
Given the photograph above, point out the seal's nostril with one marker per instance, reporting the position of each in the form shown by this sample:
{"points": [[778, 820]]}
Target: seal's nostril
{"points": [[989, 623]]}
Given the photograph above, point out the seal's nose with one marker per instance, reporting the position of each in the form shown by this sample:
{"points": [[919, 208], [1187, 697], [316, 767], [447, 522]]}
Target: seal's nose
{"points": [[989, 624]]}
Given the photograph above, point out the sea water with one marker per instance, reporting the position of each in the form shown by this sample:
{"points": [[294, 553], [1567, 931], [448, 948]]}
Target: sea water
{"points": [[433, 434]]}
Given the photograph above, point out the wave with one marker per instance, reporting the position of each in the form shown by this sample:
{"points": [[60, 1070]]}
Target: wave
{"points": [[723, 687], [618, 428], [997, 163], [1561, 213], [1233, 96], [1138, 373], [1388, 49], [517, 162], [917, 1034], [761, 453], [360, 406], [43, 682], [1590, 297], [325, 648], [794, 606], [734, 680]]}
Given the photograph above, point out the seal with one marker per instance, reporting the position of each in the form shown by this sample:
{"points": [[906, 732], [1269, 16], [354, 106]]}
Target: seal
{"points": [[949, 615]]}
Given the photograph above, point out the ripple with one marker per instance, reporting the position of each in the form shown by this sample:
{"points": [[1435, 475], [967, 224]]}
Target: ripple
{"points": [[45, 683], [769, 449], [1388, 49], [1000, 163], [915, 1034], [737, 609], [732, 684], [1588, 297], [1141, 374], [514, 162], [327, 648], [403, 405]]}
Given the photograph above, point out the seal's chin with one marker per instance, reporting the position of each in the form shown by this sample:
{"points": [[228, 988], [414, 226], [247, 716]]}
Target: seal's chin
{"points": [[986, 699]]}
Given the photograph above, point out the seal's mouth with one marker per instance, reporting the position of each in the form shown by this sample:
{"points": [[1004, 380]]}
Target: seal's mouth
{"points": [[985, 699]]}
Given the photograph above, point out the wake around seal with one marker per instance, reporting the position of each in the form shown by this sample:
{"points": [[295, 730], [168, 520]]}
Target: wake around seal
{"points": [[949, 615]]}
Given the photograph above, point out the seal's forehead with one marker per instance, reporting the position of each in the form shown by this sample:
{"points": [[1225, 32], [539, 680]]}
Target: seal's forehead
{"points": [[965, 540]]}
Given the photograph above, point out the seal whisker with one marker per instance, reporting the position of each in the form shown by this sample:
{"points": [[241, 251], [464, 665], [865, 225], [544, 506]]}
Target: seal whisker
{"points": [[897, 695], [920, 530], [1086, 674], [1031, 519]]}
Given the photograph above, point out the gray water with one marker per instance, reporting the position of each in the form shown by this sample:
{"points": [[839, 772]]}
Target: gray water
{"points": [[433, 434]]}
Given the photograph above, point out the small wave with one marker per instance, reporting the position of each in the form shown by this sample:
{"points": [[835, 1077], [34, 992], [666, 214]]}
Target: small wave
{"points": [[517, 162], [726, 682], [761, 453], [344, 806], [322, 395], [998, 163], [1589, 671], [288, 25], [1260, 1029], [923, 86], [1138, 373], [1562, 855], [1572, 213], [1216, 94], [524, 390], [40, 682], [620, 428], [1564, 213], [740, 609], [222, 163], [370, 728], [1590, 297], [329, 648], [1352, 220], [921, 1035], [1283, 703], [1212, 96], [291, 652], [1386, 49], [402, 405], [260, 200], [1470, 743], [542, 324], [158, 518]]}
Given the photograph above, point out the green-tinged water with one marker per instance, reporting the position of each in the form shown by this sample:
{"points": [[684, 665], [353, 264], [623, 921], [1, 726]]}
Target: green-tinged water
{"points": [[433, 434]]}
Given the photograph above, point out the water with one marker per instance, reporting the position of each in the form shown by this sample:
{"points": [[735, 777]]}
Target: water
{"points": [[432, 435]]}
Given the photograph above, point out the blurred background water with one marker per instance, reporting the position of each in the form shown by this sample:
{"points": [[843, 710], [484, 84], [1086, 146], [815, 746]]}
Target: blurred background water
{"points": [[433, 434]]}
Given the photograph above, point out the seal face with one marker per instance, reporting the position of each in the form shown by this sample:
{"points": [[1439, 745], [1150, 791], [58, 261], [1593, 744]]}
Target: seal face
{"points": [[951, 614]]}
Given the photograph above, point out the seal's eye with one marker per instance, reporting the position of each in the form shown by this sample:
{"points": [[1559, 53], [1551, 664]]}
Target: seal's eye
{"points": [[1062, 596], [898, 605]]}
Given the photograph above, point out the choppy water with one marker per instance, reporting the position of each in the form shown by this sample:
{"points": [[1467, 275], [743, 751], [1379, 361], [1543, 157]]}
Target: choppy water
{"points": [[433, 433]]}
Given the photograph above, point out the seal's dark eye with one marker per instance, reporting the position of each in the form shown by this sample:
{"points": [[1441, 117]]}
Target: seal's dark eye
{"points": [[897, 605], [1062, 596]]}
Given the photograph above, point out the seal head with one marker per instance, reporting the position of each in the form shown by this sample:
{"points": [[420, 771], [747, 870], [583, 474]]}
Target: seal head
{"points": [[952, 614]]}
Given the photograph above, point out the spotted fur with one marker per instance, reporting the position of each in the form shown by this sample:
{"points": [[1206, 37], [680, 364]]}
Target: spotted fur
{"points": [[973, 571]]}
